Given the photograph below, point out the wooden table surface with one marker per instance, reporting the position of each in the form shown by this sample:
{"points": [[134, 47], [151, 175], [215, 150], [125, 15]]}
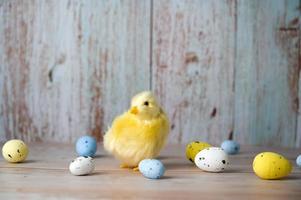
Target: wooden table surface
{"points": [[45, 174]]}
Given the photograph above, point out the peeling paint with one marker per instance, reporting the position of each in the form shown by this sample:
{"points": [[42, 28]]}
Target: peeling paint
{"points": [[288, 41], [70, 74], [213, 113], [57, 84], [189, 40], [266, 84], [191, 57]]}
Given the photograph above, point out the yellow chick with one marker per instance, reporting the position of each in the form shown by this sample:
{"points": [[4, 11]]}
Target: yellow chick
{"points": [[139, 133]]}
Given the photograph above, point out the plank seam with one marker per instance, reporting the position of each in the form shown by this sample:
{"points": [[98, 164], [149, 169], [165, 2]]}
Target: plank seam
{"points": [[297, 144], [234, 70], [151, 47]]}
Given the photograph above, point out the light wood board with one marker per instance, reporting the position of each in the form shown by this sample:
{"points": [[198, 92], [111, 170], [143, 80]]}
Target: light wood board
{"points": [[67, 68], [193, 67], [45, 175], [267, 72]]}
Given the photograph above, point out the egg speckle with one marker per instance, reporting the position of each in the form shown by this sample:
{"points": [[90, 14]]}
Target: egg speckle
{"points": [[15, 151], [212, 159], [151, 168], [195, 147], [270, 165], [298, 161], [230, 147], [86, 146], [82, 165]]}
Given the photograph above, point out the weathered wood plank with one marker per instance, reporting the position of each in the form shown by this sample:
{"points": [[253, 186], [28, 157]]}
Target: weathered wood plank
{"points": [[71, 73], [193, 67], [267, 67], [119, 41], [68, 67], [298, 133]]}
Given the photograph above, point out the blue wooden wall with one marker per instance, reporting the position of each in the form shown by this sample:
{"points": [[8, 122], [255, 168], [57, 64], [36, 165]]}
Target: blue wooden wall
{"points": [[67, 68]]}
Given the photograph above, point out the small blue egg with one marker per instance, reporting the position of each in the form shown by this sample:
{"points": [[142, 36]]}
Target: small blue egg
{"points": [[298, 160], [151, 168], [230, 147], [86, 146]]}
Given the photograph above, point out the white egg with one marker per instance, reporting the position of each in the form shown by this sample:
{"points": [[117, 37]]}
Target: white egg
{"points": [[82, 165], [212, 159]]}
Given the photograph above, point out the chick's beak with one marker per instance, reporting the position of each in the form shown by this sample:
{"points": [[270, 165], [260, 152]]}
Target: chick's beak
{"points": [[134, 110]]}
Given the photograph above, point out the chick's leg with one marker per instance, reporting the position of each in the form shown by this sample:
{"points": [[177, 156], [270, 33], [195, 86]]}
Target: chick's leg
{"points": [[136, 168], [124, 166]]}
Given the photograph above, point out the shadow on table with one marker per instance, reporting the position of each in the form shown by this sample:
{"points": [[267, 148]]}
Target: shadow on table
{"points": [[178, 165], [233, 171], [167, 157], [96, 174], [292, 177], [166, 177], [30, 161], [102, 156]]}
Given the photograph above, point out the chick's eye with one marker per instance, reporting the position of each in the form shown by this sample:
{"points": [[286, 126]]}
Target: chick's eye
{"points": [[146, 103]]}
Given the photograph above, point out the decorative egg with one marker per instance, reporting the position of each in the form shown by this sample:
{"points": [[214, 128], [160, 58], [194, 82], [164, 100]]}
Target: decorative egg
{"points": [[86, 146], [15, 151], [195, 147], [298, 161], [82, 165], [269, 165], [151, 168], [230, 147], [212, 159]]}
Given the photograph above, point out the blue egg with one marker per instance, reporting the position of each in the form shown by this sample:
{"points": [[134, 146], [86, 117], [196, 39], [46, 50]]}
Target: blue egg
{"points": [[86, 146], [298, 160], [230, 147], [151, 168]]}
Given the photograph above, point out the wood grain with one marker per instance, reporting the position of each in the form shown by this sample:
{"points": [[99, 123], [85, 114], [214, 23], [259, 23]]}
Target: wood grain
{"points": [[193, 67], [266, 72], [45, 175], [68, 67]]}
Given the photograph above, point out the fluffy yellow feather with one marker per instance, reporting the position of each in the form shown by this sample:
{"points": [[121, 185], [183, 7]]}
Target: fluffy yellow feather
{"points": [[139, 133]]}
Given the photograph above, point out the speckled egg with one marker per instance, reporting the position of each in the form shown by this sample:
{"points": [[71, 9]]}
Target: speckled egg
{"points": [[269, 165], [212, 159], [15, 151], [230, 147], [298, 161], [195, 147], [86, 146], [82, 165], [151, 168]]}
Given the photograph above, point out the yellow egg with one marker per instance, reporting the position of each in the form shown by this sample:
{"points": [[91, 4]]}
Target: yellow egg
{"points": [[194, 148], [15, 151], [269, 165]]}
